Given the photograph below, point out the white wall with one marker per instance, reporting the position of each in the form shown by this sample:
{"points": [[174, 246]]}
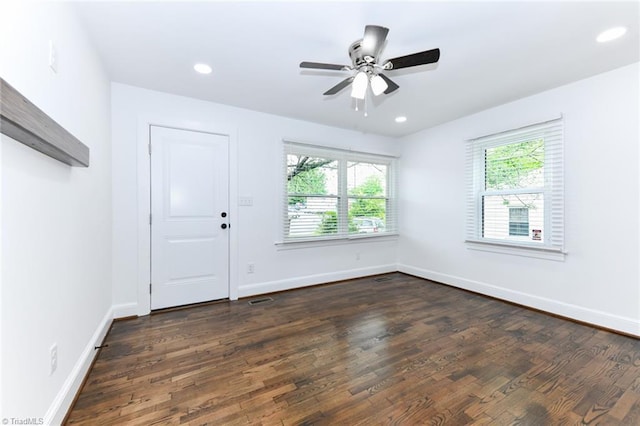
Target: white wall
{"points": [[56, 220], [599, 280], [257, 140]]}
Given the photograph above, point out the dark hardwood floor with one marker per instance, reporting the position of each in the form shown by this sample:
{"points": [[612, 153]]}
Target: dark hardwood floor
{"points": [[403, 351]]}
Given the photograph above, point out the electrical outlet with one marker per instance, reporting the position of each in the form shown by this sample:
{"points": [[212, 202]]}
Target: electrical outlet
{"points": [[53, 352], [53, 57], [251, 268]]}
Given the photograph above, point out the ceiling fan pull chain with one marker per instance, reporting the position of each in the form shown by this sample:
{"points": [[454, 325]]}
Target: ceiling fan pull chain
{"points": [[356, 104], [365, 106]]}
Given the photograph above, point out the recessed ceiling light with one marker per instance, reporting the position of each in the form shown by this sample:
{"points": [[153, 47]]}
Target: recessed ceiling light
{"points": [[202, 68], [401, 119], [611, 34]]}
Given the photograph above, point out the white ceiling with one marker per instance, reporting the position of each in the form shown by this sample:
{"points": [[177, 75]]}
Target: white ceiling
{"points": [[491, 53]]}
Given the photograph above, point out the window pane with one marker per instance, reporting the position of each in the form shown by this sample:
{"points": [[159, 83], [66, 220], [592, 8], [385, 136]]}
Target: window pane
{"points": [[312, 216], [332, 193], [367, 215], [311, 175], [513, 166], [367, 179], [513, 217]]}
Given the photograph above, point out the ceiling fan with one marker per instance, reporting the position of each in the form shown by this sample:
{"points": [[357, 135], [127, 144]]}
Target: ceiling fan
{"points": [[366, 67]]}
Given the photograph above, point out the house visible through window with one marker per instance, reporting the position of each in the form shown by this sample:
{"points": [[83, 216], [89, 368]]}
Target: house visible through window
{"points": [[332, 193], [515, 187], [519, 221]]}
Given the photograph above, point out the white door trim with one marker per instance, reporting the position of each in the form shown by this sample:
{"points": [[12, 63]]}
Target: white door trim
{"points": [[144, 199]]}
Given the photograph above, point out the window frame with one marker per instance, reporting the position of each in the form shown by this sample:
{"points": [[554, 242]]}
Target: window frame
{"points": [[552, 191], [343, 157]]}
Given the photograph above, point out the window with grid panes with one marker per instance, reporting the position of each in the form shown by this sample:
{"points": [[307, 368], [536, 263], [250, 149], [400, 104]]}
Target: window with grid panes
{"points": [[515, 188], [337, 194]]}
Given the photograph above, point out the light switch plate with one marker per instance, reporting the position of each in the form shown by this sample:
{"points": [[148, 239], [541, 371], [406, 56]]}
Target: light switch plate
{"points": [[53, 57], [245, 201]]}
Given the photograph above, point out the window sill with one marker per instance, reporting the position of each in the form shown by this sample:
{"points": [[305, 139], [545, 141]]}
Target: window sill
{"points": [[517, 250], [354, 239]]}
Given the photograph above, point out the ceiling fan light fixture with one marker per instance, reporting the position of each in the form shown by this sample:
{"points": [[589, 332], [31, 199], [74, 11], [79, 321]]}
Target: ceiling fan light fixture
{"points": [[378, 85], [359, 86]]}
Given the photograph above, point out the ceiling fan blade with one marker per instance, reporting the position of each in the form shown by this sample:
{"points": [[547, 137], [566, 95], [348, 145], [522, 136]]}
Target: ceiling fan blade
{"points": [[391, 86], [415, 59], [321, 66], [373, 40], [338, 87]]}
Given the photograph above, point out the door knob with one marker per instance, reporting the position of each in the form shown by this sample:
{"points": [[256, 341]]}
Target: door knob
{"points": [[223, 214], [223, 226]]}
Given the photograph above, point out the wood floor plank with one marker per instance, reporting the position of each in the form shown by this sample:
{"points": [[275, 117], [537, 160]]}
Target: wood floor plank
{"points": [[404, 351]]}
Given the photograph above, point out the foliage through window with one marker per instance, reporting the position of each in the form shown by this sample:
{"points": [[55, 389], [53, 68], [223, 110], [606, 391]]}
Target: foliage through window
{"points": [[332, 193], [515, 187]]}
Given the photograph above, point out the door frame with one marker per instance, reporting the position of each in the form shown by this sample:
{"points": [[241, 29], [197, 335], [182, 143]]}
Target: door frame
{"points": [[144, 198]]}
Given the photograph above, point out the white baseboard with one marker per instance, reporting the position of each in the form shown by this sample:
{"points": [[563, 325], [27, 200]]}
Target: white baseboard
{"points": [[124, 310], [62, 403], [298, 282], [591, 316]]}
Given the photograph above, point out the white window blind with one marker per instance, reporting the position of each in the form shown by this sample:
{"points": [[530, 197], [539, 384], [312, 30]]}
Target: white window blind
{"points": [[515, 187], [336, 194]]}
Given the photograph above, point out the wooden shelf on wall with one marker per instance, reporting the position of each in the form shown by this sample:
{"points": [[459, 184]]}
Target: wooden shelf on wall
{"points": [[23, 121]]}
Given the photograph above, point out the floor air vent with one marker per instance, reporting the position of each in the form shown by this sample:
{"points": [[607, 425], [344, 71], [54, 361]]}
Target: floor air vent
{"points": [[259, 301], [381, 279]]}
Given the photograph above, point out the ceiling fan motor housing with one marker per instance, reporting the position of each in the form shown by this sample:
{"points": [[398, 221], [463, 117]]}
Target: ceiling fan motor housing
{"points": [[355, 53]]}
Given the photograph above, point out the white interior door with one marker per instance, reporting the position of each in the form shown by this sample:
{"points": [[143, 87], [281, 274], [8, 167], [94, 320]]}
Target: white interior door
{"points": [[189, 217]]}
